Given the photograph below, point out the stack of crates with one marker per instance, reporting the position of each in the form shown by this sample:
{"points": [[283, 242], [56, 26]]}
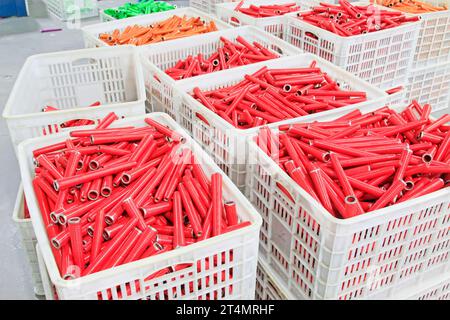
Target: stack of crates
{"points": [[396, 252], [429, 78], [69, 81]]}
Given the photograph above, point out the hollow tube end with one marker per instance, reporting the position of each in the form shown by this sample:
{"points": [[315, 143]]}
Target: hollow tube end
{"points": [[350, 199], [409, 185], [106, 192], [93, 195], [74, 220]]}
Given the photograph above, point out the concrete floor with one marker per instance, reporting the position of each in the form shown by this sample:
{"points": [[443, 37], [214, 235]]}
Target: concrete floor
{"points": [[20, 38]]}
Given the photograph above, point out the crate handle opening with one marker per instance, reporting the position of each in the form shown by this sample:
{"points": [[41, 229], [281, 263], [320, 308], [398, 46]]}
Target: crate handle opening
{"points": [[84, 61]]}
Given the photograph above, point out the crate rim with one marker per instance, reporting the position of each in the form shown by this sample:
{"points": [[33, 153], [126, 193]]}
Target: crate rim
{"points": [[368, 216], [48, 255], [139, 81], [311, 117]]}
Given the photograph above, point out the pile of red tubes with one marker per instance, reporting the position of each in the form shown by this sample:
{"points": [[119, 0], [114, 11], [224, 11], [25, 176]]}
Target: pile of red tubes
{"points": [[67, 124], [264, 11], [360, 163], [229, 55], [110, 196], [272, 95], [346, 19]]}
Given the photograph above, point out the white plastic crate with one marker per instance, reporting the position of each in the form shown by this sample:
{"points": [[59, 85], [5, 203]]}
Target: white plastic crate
{"points": [[71, 81], [28, 240], [208, 6], [268, 286], [314, 3], [227, 144], [237, 250], [430, 84], [273, 25], [92, 32], [72, 9], [372, 256], [434, 286], [157, 58], [104, 17], [383, 58], [433, 44]]}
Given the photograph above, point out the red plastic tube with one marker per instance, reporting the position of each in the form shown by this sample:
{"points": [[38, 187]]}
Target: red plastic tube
{"points": [[133, 212], [230, 209], [319, 187], [145, 240], [156, 209], [191, 212], [105, 254], [178, 238], [217, 203], [124, 249], [42, 161], [389, 196], [269, 94], [432, 186], [106, 122], [76, 244], [67, 182], [200, 202], [405, 158], [174, 136], [107, 186], [97, 238]]}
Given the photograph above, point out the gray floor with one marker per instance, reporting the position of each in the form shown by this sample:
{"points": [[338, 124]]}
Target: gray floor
{"points": [[20, 38]]}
